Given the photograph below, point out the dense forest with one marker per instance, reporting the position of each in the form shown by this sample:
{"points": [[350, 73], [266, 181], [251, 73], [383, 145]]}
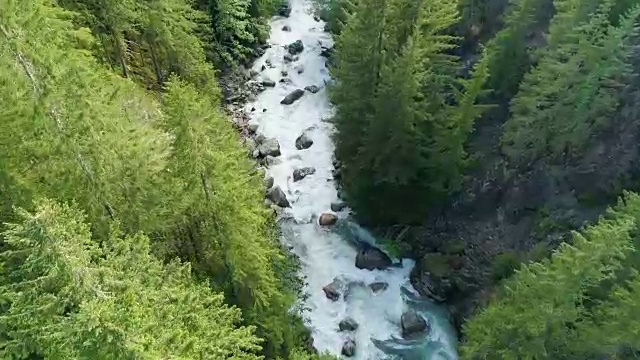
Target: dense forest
{"points": [[497, 143], [134, 224]]}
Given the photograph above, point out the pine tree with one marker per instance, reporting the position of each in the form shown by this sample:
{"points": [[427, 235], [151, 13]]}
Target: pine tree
{"points": [[572, 92]]}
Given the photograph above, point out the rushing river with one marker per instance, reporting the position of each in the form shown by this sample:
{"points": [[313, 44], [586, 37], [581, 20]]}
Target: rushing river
{"points": [[328, 253]]}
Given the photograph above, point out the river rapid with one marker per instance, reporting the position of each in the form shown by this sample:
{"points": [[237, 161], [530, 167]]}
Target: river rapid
{"points": [[327, 253]]}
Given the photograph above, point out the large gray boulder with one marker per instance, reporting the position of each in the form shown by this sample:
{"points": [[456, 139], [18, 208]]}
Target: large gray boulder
{"points": [[301, 173], [278, 197], [349, 348], [333, 290], [338, 206], [378, 286], [284, 10], [303, 142], [371, 258], [327, 219], [268, 181], [292, 97], [269, 147], [312, 88], [347, 324], [267, 82], [295, 47], [412, 324]]}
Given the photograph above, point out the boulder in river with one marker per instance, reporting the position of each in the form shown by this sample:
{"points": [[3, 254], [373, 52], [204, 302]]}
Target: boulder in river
{"points": [[347, 324], [303, 142], [278, 197], [295, 47], [412, 324], [349, 348], [252, 128], [332, 291], [268, 82], [327, 219], [299, 69], [326, 52], [292, 97], [268, 182], [270, 161], [378, 286], [284, 10], [287, 58], [269, 147], [286, 28], [301, 173], [312, 89], [371, 258], [338, 206]]}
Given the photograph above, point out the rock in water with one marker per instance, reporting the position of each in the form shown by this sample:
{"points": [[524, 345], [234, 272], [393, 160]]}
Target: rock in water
{"points": [[287, 58], [327, 219], [338, 206], [292, 97], [253, 128], [303, 142], [371, 258], [348, 324], [278, 197], [412, 324], [299, 174], [312, 89], [379, 286], [349, 348], [299, 69], [326, 52], [268, 182], [332, 291], [286, 28], [268, 82], [295, 47], [284, 10], [269, 147]]}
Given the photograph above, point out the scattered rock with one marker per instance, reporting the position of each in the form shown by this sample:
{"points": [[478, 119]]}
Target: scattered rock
{"points": [[295, 47], [286, 28], [253, 73], [284, 10], [348, 324], [263, 68], [268, 182], [260, 138], [338, 206], [252, 128], [270, 161], [327, 219], [285, 81], [303, 142], [278, 197], [268, 62], [332, 291], [301, 173], [268, 82], [264, 110], [349, 348], [255, 154], [287, 58], [379, 286], [268, 202], [371, 258], [284, 73], [292, 97], [316, 18], [258, 52], [412, 323], [326, 52], [299, 69], [250, 144], [312, 89], [269, 147]]}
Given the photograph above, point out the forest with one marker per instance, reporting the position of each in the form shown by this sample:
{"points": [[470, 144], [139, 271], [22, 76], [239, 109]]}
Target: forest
{"points": [[497, 143]]}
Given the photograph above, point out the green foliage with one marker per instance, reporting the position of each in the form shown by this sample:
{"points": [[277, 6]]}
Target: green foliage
{"points": [[576, 80], [580, 304], [66, 298], [504, 265], [398, 138]]}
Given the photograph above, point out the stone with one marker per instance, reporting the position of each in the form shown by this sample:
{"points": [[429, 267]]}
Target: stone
{"points": [[286, 28], [263, 68], [349, 348], [258, 52], [292, 97], [303, 142], [253, 73], [268, 182], [268, 203], [287, 58], [252, 128], [312, 89], [255, 154], [268, 82], [327, 219], [270, 161], [278, 197], [348, 324], [301, 173], [371, 258], [412, 324], [316, 18], [268, 62], [260, 138], [284, 73], [378, 286], [285, 81], [326, 52], [295, 47], [299, 69], [269, 147], [284, 10], [338, 206], [332, 291]]}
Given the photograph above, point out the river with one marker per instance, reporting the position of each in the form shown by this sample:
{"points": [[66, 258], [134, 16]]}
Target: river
{"points": [[328, 253]]}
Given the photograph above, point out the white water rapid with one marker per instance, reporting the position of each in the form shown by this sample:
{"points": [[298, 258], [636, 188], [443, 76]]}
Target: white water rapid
{"points": [[327, 253]]}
